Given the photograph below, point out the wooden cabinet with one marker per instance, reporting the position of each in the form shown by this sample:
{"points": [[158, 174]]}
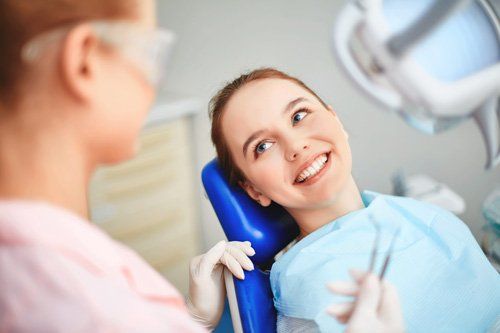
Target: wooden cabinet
{"points": [[149, 203]]}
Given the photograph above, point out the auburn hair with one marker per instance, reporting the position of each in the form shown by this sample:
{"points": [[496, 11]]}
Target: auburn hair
{"points": [[21, 20], [216, 111]]}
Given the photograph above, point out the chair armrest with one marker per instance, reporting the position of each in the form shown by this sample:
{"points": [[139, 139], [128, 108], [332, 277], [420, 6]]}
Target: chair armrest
{"points": [[233, 301]]}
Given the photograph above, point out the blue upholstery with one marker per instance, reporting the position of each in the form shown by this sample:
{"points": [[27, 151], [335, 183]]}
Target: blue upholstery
{"points": [[269, 230]]}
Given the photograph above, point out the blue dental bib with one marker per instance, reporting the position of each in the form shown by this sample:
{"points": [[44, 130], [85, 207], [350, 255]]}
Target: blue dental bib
{"points": [[445, 282]]}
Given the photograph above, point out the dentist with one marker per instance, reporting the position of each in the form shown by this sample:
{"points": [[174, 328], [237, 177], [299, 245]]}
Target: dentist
{"points": [[77, 79]]}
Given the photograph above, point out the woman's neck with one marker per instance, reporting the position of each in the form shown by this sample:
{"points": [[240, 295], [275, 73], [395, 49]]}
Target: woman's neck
{"points": [[347, 201], [45, 165]]}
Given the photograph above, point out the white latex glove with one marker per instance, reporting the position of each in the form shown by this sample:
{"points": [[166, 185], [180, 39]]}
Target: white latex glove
{"points": [[206, 281], [376, 307]]}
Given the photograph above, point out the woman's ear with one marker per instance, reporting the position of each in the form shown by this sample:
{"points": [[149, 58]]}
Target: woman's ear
{"points": [[255, 194]]}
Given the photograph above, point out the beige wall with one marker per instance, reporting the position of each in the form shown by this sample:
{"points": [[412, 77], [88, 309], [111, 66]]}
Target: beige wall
{"points": [[218, 39]]}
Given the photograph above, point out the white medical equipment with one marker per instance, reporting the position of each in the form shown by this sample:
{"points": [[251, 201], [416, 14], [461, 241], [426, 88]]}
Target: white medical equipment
{"points": [[435, 62], [424, 188], [491, 242]]}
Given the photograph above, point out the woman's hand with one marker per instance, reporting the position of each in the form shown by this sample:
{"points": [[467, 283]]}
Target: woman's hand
{"points": [[206, 282], [375, 309]]}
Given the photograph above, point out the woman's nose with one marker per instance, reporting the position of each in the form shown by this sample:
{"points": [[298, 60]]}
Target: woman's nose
{"points": [[295, 151]]}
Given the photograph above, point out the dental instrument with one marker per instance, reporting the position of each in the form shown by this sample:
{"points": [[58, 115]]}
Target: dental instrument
{"points": [[375, 247]]}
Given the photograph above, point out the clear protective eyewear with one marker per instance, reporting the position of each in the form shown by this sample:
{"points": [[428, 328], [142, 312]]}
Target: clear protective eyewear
{"points": [[147, 49]]}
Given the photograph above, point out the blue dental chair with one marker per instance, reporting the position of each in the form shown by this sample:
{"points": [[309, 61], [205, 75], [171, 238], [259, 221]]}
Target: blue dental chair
{"points": [[269, 230]]}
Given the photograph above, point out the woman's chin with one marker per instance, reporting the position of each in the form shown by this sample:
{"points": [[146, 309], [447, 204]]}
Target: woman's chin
{"points": [[327, 192]]}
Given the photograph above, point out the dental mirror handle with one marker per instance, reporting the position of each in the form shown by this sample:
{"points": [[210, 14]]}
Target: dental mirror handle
{"points": [[487, 119]]}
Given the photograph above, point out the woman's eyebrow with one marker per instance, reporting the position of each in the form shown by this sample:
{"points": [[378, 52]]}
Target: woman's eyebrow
{"points": [[292, 104], [250, 139]]}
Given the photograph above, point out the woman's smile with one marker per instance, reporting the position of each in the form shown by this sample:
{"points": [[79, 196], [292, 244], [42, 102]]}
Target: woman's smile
{"points": [[311, 171]]}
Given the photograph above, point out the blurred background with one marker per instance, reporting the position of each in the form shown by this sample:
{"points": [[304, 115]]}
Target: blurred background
{"points": [[158, 197]]}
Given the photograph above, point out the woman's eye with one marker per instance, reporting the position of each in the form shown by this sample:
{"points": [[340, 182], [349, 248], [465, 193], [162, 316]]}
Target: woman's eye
{"points": [[298, 116], [262, 147]]}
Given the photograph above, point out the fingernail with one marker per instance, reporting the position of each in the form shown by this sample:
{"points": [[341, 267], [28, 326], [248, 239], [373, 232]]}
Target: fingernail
{"points": [[357, 274], [371, 279], [332, 310], [252, 251]]}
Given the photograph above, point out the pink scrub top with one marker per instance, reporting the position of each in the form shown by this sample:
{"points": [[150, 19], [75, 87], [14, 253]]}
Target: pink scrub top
{"points": [[60, 273]]}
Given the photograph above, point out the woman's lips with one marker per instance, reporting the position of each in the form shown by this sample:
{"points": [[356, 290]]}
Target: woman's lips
{"points": [[312, 167], [313, 179]]}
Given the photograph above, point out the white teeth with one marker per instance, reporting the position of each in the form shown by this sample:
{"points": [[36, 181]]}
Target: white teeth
{"points": [[312, 169]]}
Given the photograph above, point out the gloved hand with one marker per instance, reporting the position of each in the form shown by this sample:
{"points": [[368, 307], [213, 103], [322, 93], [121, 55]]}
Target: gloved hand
{"points": [[206, 281], [376, 307]]}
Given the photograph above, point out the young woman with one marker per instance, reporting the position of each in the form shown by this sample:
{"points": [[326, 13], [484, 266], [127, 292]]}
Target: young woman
{"points": [[280, 142], [76, 81]]}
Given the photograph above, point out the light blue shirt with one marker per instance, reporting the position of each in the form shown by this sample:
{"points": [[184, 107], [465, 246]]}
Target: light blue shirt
{"points": [[445, 282]]}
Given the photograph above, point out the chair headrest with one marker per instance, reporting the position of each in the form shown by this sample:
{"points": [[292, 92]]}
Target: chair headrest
{"points": [[269, 229]]}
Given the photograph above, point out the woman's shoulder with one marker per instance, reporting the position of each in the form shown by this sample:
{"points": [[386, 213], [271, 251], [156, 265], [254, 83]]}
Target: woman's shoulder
{"points": [[434, 221], [370, 198], [413, 209]]}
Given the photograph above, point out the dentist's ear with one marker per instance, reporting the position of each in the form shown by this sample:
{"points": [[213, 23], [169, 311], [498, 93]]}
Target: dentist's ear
{"points": [[78, 61], [254, 193], [329, 107]]}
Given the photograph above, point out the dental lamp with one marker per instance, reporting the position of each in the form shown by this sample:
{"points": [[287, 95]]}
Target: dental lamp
{"points": [[436, 63]]}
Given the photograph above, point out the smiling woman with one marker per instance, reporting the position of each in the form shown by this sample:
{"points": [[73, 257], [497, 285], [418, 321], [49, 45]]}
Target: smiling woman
{"points": [[280, 142]]}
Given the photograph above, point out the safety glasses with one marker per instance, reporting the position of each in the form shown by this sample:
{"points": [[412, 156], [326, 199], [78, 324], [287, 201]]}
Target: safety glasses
{"points": [[147, 49]]}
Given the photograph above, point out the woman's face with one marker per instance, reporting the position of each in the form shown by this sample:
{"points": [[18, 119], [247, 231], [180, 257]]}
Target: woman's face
{"points": [[291, 149]]}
